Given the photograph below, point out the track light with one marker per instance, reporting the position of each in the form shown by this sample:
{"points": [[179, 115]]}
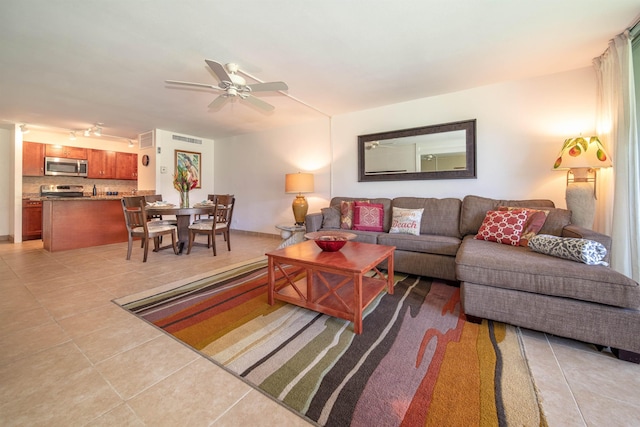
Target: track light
{"points": [[72, 135], [130, 143], [24, 129], [97, 131], [87, 132]]}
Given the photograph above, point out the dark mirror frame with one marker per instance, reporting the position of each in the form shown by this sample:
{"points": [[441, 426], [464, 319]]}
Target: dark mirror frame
{"points": [[469, 126]]}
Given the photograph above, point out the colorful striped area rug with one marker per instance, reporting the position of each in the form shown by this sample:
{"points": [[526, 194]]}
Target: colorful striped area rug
{"points": [[417, 362]]}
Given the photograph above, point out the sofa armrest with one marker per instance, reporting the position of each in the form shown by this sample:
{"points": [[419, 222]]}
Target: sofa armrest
{"points": [[578, 232], [313, 222]]}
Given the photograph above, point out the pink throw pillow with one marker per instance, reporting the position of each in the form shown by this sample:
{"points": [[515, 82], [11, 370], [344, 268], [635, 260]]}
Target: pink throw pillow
{"points": [[368, 216]]}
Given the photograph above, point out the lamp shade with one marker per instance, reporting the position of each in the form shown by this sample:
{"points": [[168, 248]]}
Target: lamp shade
{"points": [[582, 153], [298, 183]]}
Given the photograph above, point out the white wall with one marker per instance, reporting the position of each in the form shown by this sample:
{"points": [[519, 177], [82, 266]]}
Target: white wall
{"points": [[7, 182], [253, 167], [166, 159], [521, 126]]}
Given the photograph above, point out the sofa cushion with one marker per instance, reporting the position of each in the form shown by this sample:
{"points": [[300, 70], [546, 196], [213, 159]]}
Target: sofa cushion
{"points": [[474, 208], [534, 223], [503, 226], [386, 203], [406, 221], [330, 218], [520, 268], [441, 217], [424, 243], [368, 216], [580, 250]]}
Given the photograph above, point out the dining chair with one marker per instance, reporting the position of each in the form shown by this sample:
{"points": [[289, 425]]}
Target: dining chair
{"points": [[219, 223], [137, 226]]}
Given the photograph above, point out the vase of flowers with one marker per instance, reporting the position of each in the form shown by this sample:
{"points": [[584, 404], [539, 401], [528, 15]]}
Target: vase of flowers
{"points": [[183, 181]]}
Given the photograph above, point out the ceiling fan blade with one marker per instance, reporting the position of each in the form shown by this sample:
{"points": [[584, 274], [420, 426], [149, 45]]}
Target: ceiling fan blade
{"points": [[218, 70], [259, 103], [269, 86], [218, 102], [177, 82]]}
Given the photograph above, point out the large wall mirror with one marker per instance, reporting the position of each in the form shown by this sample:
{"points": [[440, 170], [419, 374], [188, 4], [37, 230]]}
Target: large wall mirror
{"points": [[444, 151]]}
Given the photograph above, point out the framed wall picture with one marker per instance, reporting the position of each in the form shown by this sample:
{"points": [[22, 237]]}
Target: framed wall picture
{"points": [[192, 163]]}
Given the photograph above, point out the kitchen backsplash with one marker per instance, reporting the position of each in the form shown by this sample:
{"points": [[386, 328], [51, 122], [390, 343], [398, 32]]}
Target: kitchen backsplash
{"points": [[31, 185]]}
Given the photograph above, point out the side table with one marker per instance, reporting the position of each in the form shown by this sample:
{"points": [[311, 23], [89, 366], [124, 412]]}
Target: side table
{"points": [[291, 234]]}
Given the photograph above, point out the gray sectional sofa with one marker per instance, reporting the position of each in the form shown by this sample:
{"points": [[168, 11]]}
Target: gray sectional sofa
{"points": [[511, 284]]}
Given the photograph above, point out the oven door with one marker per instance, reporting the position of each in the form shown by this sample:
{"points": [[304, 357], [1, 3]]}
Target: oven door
{"points": [[61, 167]]}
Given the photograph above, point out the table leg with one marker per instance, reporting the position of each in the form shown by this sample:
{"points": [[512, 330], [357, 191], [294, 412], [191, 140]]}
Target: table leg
{"points": [[272, 281], [390, 277], [184, 221], [357, 301]]}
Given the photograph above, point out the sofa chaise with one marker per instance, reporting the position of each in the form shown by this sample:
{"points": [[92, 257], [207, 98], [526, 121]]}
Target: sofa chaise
{"points": [[502, 282]]}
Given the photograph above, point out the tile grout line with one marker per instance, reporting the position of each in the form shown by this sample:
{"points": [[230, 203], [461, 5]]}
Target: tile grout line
{"points": [[555, 357]]}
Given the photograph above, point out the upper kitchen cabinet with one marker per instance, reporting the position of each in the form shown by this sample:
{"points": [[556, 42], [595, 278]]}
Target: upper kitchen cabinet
{"points": [[126, 166], [101, 164], [32, 159], [66, 152]]}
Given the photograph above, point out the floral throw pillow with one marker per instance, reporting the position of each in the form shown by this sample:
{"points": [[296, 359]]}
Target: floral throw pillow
{"points": [[368, 216], [580, 250], [536, 220], [346, 214], [406, 221], [503, 226]]}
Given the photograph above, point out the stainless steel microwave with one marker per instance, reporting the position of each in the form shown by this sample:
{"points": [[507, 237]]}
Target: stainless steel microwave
{"points": [[65, 167]]}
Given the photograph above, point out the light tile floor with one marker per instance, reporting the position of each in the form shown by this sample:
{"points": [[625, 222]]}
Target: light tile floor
{"points": [[70, 357]]}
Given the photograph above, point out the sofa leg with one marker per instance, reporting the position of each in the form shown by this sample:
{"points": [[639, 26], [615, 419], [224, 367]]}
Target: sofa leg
{"points": [[627, 356], [473, 319]]}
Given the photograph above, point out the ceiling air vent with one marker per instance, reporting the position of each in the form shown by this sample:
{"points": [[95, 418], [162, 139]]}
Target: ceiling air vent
{"points": [[147, 140], [186, 139]]}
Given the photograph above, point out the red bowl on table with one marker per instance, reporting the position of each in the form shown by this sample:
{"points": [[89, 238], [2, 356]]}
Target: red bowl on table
{"points": [[330, 241]]}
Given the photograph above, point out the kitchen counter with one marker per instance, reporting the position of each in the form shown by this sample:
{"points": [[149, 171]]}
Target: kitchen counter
{"points": [[82, 222], [85, 198]]}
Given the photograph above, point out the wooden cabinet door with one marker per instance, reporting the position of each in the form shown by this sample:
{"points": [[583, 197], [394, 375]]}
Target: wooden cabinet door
{"points": [[32, 159], [126, 166], [101, 164], [31, 219], [65, 152]]}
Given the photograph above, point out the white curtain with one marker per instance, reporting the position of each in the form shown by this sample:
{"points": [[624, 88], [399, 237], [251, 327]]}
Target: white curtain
{"points": [[617, 125]]}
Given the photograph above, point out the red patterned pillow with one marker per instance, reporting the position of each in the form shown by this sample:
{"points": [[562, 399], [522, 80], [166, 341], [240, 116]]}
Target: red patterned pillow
{"points": [[503, 226], [532, 227], [368, 216], [346, 214]]}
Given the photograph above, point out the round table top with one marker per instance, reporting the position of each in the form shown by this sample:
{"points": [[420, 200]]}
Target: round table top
{"points": [[176, 210], [287, 227]]}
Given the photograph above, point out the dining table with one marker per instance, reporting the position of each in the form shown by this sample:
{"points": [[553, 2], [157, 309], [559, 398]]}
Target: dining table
{"points": [[183, 217]]}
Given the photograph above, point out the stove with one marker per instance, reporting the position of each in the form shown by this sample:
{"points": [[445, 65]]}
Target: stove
{"points": [[61, 191]]}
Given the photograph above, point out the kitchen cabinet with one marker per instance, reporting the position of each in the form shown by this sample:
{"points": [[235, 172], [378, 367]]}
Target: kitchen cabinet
{"points": [[32, 159], [65, 152], [31, 219], [126, 166], [101, 164]]}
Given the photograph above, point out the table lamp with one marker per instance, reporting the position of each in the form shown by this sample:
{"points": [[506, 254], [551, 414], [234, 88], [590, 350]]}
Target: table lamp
{"points": [[299, 183], [582, 157]]}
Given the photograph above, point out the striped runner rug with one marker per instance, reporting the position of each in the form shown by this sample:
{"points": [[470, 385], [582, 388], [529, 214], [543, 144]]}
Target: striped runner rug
{"points": [[417, 362]]}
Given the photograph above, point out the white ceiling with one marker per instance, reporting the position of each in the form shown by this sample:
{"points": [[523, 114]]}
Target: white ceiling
{"points": [[72, 63]]}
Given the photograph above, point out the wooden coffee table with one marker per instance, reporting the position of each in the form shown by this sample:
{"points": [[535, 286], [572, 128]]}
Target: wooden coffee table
{"points": [[332, 283]]}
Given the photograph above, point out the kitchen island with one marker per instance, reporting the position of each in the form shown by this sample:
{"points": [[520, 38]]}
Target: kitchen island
{"points": [[81, 222]]}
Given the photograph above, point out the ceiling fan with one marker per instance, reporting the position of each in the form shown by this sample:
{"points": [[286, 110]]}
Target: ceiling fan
{"points": [[234, 85]]}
